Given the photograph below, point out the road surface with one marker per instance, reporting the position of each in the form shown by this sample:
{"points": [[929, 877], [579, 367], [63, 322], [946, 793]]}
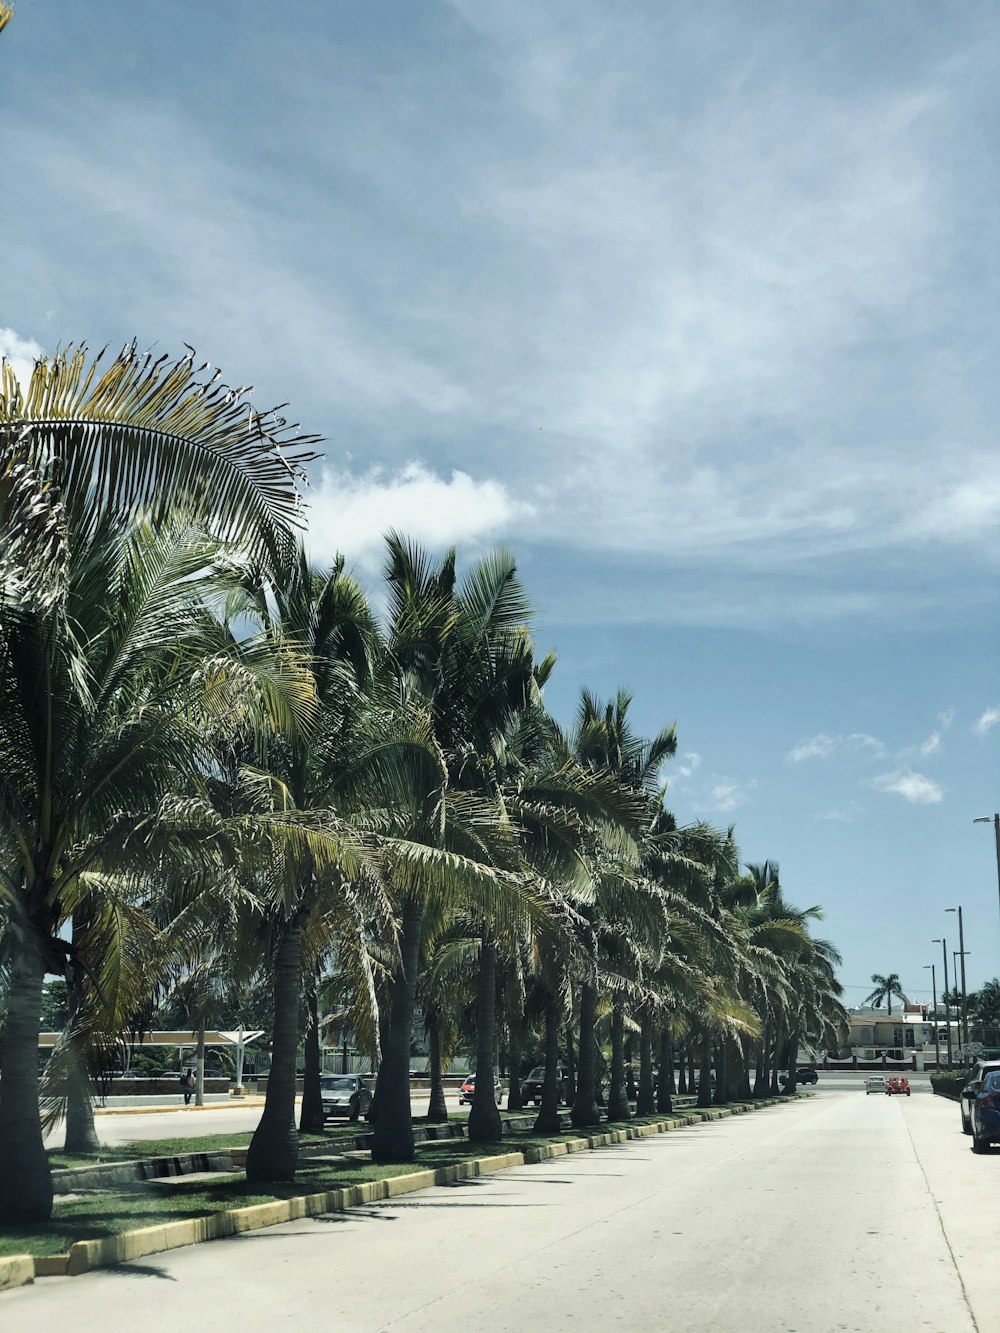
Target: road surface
{"points": [[837, 1212]]}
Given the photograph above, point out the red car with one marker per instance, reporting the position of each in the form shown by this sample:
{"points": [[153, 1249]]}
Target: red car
{"points": [[897, 1084]]}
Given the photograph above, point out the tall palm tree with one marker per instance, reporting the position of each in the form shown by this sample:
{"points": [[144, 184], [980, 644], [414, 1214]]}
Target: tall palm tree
{"points": [[94, 699], [884, 989]]}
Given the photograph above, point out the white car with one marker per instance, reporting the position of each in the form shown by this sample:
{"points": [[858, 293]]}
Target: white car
{"points": [[874, 1083]]}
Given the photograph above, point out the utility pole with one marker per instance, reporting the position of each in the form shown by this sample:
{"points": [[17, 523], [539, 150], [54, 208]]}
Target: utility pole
{"points": [[937, 1036], [985, 819], [944, 956]]}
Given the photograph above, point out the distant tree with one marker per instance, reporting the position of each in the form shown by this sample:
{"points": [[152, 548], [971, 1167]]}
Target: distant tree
{"points": [[984, 1004], [885, 989]]}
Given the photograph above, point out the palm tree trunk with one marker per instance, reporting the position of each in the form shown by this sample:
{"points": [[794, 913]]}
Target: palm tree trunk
{"points": [[692, 1067], [485, 1125], [514, 1102], [274, 1149], [199, 1066], [311, 1110], [682, 1086], [791, 1062], [392, 1137], [25, 1180], [547, 1120], [585, 1109], [721, 1095], [646, 1100], [618, 1107], [437, 1107], [630, 1089], [81, 1133], [746, 1053], [665, 1074], [570, 1090], [705, 1075]]}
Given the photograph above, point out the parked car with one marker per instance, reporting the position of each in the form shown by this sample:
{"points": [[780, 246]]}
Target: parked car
{"points": [[531, 1087], [976, 1075], [898, 1083], [986, 1113], [345, 1096], [467, 1091], [801, 1076], [874, 1083]]}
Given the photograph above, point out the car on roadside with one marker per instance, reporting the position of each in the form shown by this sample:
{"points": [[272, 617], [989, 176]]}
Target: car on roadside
{"points": [[531, 1087], [468, 1090], [874, 1083], [898, 1083], [804, 1075], [345, 1096], [985, 1108], [976, 1075]]}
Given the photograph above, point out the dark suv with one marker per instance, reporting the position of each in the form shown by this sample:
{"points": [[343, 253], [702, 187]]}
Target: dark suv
{"points": [[801, 1076], [531, 1087]]}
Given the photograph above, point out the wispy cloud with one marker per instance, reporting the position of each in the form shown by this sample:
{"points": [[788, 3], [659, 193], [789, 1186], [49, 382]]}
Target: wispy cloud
{"points": [[351, 514], [727, 795], [986, 721], [821, 746], [935, 741], [691, 764], [913, 787], [841, 814]]}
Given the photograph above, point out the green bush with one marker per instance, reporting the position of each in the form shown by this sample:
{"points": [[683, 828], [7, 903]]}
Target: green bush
{"points": [[949, 1082]]}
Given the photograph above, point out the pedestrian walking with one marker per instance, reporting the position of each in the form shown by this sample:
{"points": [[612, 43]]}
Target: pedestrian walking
{"points": [[188, 1084]]}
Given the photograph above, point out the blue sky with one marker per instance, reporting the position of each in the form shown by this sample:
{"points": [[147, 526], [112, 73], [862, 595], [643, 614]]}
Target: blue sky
{"points": [[693, 306]]}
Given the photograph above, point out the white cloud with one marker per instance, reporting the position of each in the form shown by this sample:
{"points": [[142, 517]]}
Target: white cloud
{"points": [[727, 794], [934, 741], [986, 721], [351, 514], [21, 353], [813, 747], [913, 787], [692, 762], [821, 746], [841, 814]]}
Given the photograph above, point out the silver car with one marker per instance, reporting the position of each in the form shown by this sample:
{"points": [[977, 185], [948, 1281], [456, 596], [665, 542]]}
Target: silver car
{"points": [[345, 1096]]}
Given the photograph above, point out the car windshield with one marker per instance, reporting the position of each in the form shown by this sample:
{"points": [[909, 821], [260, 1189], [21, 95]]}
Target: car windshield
{"points": [[338, 1084], [538, 1073]]}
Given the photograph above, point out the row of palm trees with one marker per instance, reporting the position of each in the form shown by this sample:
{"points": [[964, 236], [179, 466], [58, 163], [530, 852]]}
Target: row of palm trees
{"points": [[219, 764]]}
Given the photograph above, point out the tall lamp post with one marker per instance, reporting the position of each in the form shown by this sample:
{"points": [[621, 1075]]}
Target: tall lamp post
{"points": [[964, 1026], [944, 957], [995, 821], [937, 1035]]}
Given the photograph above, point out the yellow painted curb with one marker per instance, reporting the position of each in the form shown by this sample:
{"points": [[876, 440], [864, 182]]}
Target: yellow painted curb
{"points": [[85, 1255], [51, 1265], [16, 1270]]}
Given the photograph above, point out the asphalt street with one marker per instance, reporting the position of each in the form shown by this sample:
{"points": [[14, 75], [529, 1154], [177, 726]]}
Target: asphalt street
{"points": [[836, 1212]]}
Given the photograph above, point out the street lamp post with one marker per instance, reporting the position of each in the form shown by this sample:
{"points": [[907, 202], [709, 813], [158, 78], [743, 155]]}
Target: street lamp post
{"points": [[964, 1026], [937, 1036], [985, 819], [944, 957]]}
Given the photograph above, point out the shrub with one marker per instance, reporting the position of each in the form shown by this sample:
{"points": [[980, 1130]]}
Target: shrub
{"points": [[949, 1082]]}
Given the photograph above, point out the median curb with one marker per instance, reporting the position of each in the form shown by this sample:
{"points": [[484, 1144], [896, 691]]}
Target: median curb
{"points": [[86, 1255]]}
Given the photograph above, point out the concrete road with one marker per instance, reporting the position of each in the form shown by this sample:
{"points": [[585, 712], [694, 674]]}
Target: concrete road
{"points": [[837, 1212]]}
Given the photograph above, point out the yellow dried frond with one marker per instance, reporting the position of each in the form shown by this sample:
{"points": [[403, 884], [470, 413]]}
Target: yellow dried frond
{"points": [[6, 14]]}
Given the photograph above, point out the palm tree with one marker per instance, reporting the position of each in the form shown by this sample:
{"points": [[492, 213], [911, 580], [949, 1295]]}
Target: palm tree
{"points": [[884, 989], [106, 704], [96, 692]]}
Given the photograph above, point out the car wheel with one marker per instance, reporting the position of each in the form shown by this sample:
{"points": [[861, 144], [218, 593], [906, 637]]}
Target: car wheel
{"points": [[979, 1145], [966, 1126], [355, 1112]]}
